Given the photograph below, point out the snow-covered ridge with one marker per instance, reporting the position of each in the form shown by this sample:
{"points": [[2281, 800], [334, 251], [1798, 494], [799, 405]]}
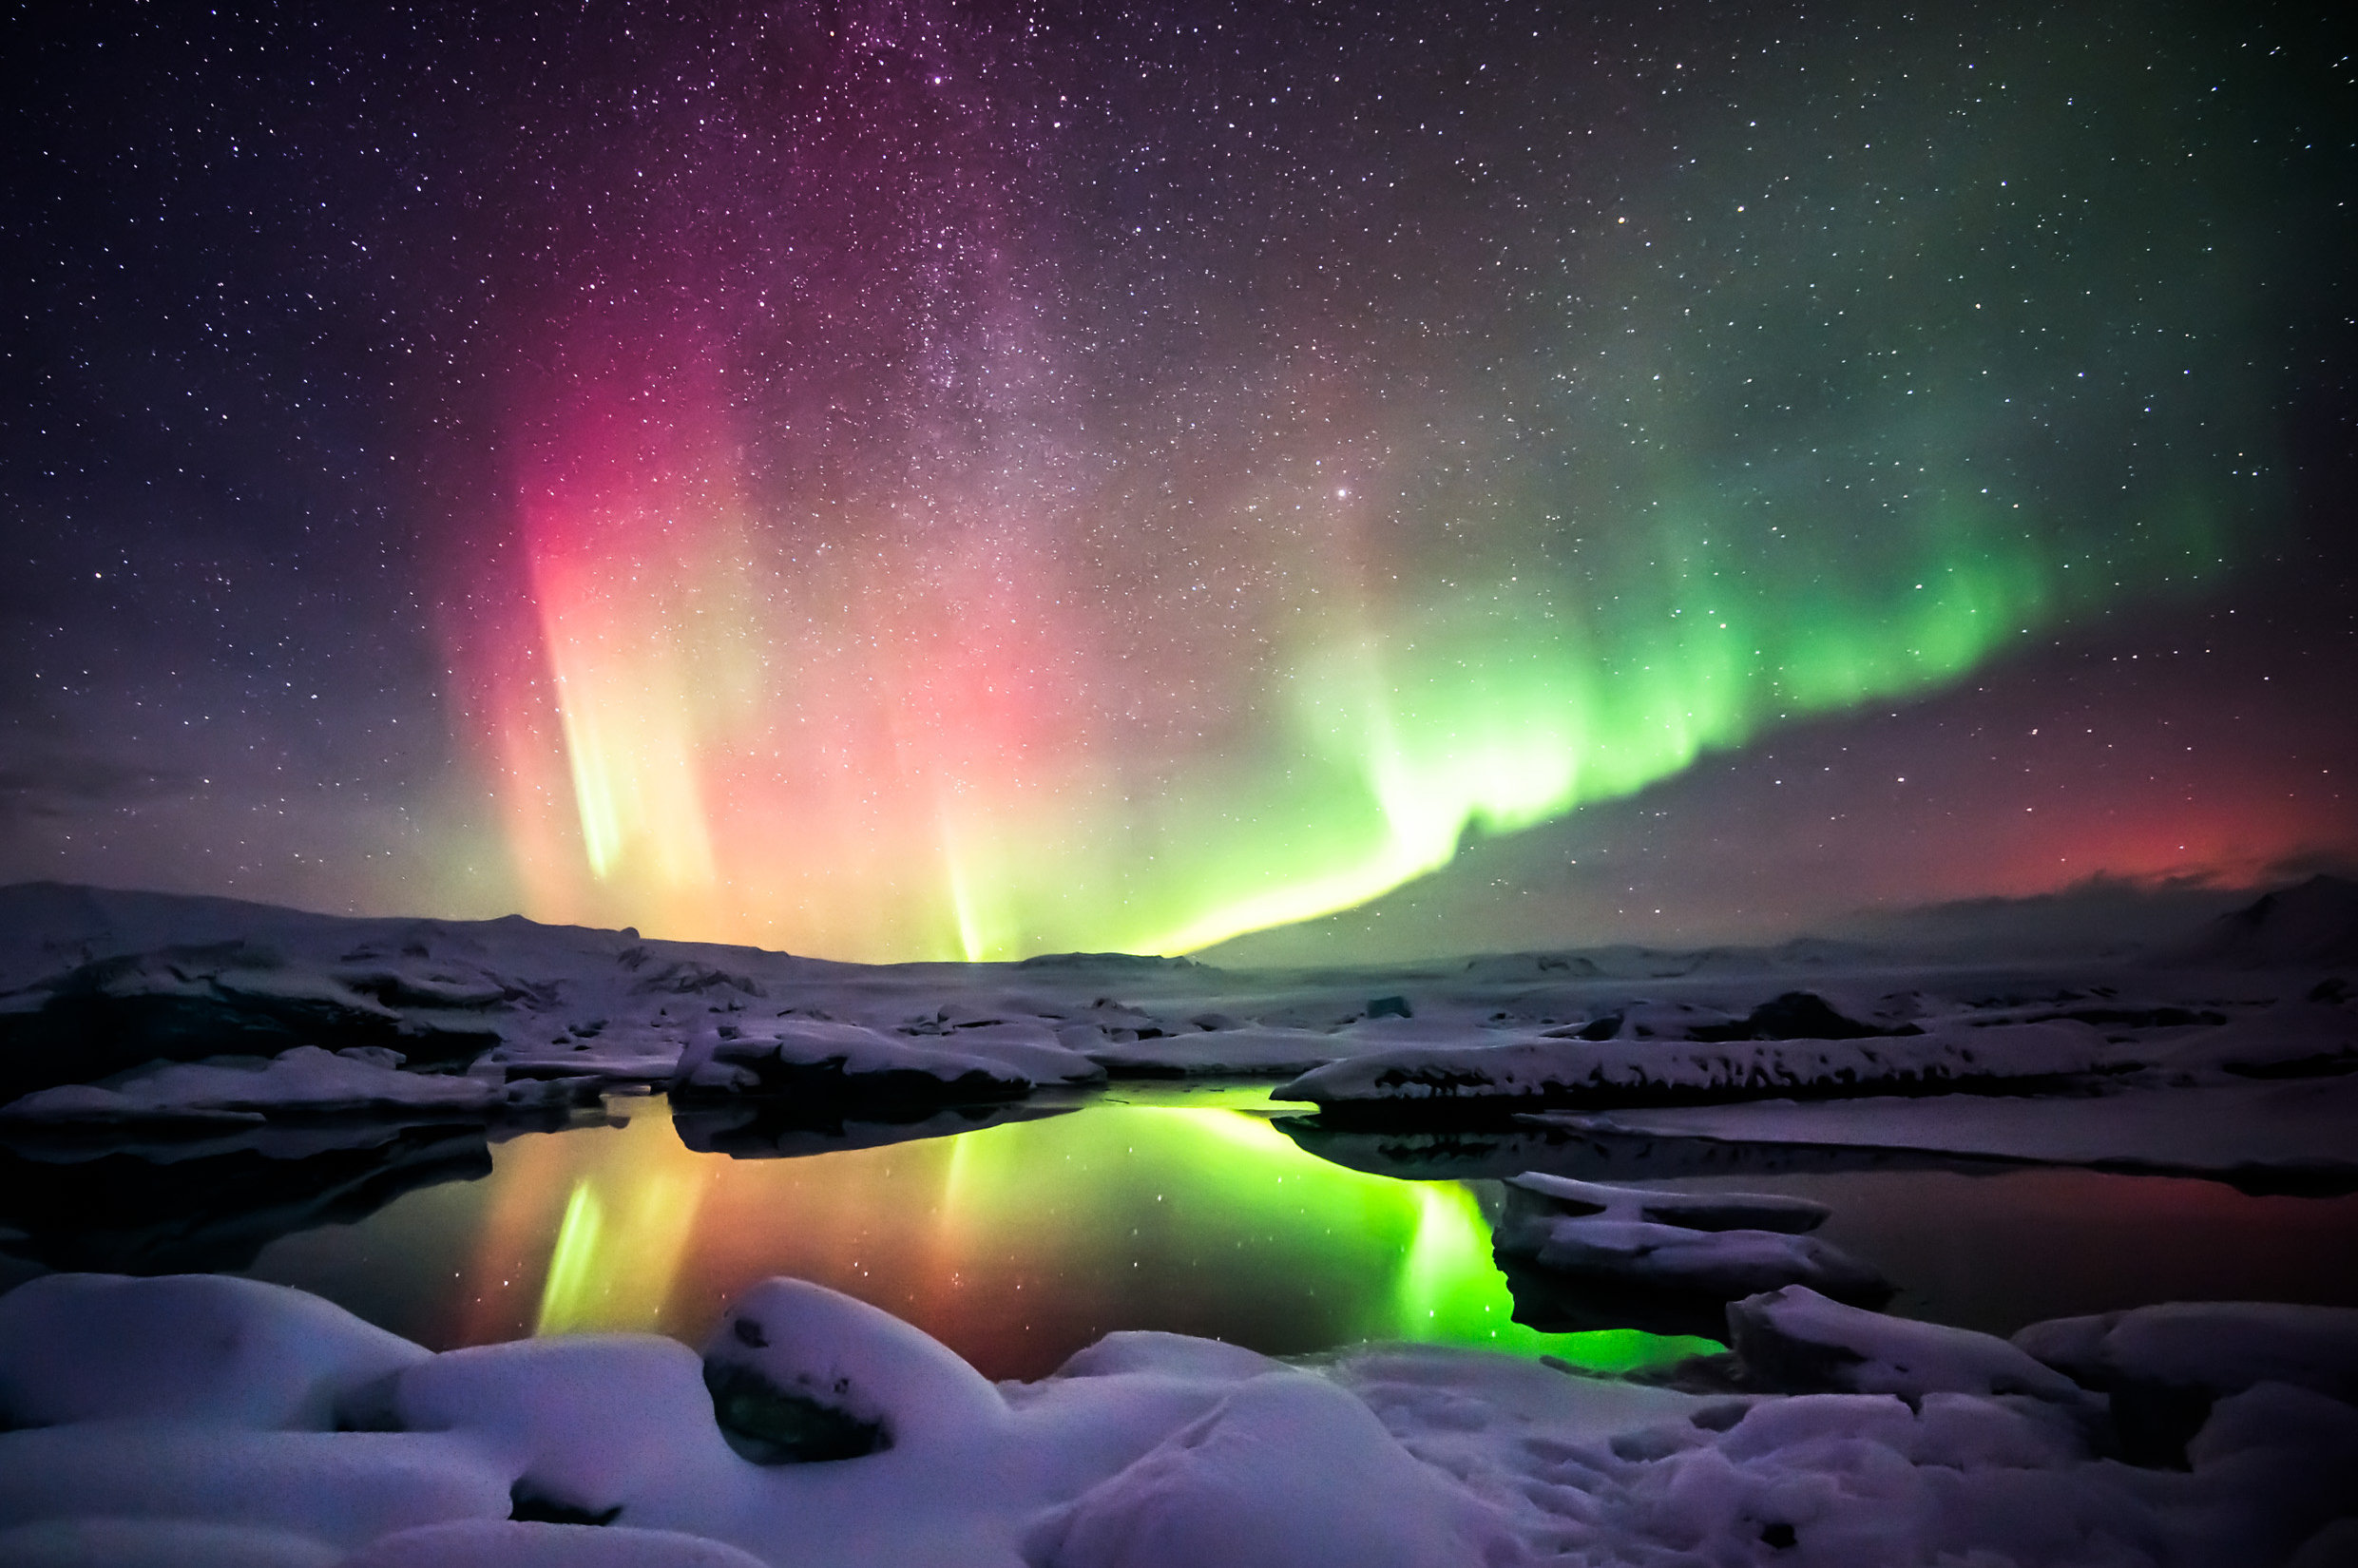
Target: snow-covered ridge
{"points": [[1546, 1072], [136, 1008], [216, 1420]]}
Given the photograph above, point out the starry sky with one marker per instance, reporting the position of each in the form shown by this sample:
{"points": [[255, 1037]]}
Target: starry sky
{"points": [[897, 481]]}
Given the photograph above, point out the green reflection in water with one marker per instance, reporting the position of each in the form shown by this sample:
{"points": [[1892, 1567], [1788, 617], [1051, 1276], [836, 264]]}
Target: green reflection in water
{"points": [[1119, 1215], [1442, 1287]]}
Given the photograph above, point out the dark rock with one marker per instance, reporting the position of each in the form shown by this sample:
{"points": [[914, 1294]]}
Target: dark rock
{"points": [[772, 1425]]}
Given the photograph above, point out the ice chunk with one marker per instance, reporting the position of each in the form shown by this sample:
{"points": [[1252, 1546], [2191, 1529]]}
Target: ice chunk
{"points": [[1697, 1210], [1796, 1338], [195, 1347], [1639, 1240], [1722, 1264]]}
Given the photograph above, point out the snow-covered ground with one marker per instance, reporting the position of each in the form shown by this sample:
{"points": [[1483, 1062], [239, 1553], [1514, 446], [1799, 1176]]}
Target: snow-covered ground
{"points": [[203, 1419], [198, 1419], [2276, 1134], [135, 1008]]}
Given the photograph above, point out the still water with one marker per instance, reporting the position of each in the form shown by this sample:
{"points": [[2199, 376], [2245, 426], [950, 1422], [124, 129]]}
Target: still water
{"points": [[1016, 1244], [1185, 1210]]}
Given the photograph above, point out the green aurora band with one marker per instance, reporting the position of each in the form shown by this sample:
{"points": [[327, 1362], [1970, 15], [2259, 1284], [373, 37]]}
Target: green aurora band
{"points": [[1384, 497]]}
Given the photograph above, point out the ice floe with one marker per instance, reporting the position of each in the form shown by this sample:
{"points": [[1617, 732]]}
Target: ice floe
{"points": [[1668, 1261]]}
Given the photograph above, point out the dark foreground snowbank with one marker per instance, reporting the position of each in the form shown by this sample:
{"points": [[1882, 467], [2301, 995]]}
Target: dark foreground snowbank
{"points": [[196, 1419]]}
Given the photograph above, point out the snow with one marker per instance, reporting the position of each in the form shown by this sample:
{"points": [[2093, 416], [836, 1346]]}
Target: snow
{"points": [[77, 1348], [159, 1543], [824, 1345], [1551, 1071], [204, 1445], [2282, 1131], [1634, 1237], [305, 1078], [1695, 1211], [1796, 1337], [202, 1419], [103, 993], [342, 1488], [833, 1062], [1247, 1051], [1287, 1471], [508, 1544], [2219, 1347], [2293, 1038]]}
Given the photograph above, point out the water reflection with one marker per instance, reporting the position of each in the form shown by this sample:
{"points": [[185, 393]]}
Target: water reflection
{"points": [[1017, 1238], [1015, 1244]]}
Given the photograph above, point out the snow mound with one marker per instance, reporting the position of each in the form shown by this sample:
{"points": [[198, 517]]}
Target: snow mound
{"points": [[510, 1543], [828, 1063], [1796, 1338], [820, 1365], [1542, 1072], [79, 1347], [1147, 1450], [543, 1410], [1287, 1471], [2219, 1347]]}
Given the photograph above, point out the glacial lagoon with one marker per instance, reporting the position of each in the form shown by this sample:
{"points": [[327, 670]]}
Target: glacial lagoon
{"points": [[1197, 1210]]}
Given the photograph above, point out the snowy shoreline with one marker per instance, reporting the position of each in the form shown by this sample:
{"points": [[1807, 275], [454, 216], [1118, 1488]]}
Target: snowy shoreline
{"points": [[136, 1010], [201, 1420]]}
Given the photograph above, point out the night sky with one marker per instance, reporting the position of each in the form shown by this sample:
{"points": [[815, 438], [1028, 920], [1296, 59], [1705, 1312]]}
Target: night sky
{"points": [[928, 481]]}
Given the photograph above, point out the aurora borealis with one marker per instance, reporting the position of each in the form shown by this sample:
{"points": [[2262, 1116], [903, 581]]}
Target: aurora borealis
{"points": [[928, 482]]}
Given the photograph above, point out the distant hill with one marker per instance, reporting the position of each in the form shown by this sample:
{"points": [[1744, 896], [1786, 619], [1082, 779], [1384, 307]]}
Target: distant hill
{"points": [[2313, 922]]}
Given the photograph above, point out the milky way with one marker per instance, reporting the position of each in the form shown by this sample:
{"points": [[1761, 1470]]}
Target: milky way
{"points": [[960, 482]]}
